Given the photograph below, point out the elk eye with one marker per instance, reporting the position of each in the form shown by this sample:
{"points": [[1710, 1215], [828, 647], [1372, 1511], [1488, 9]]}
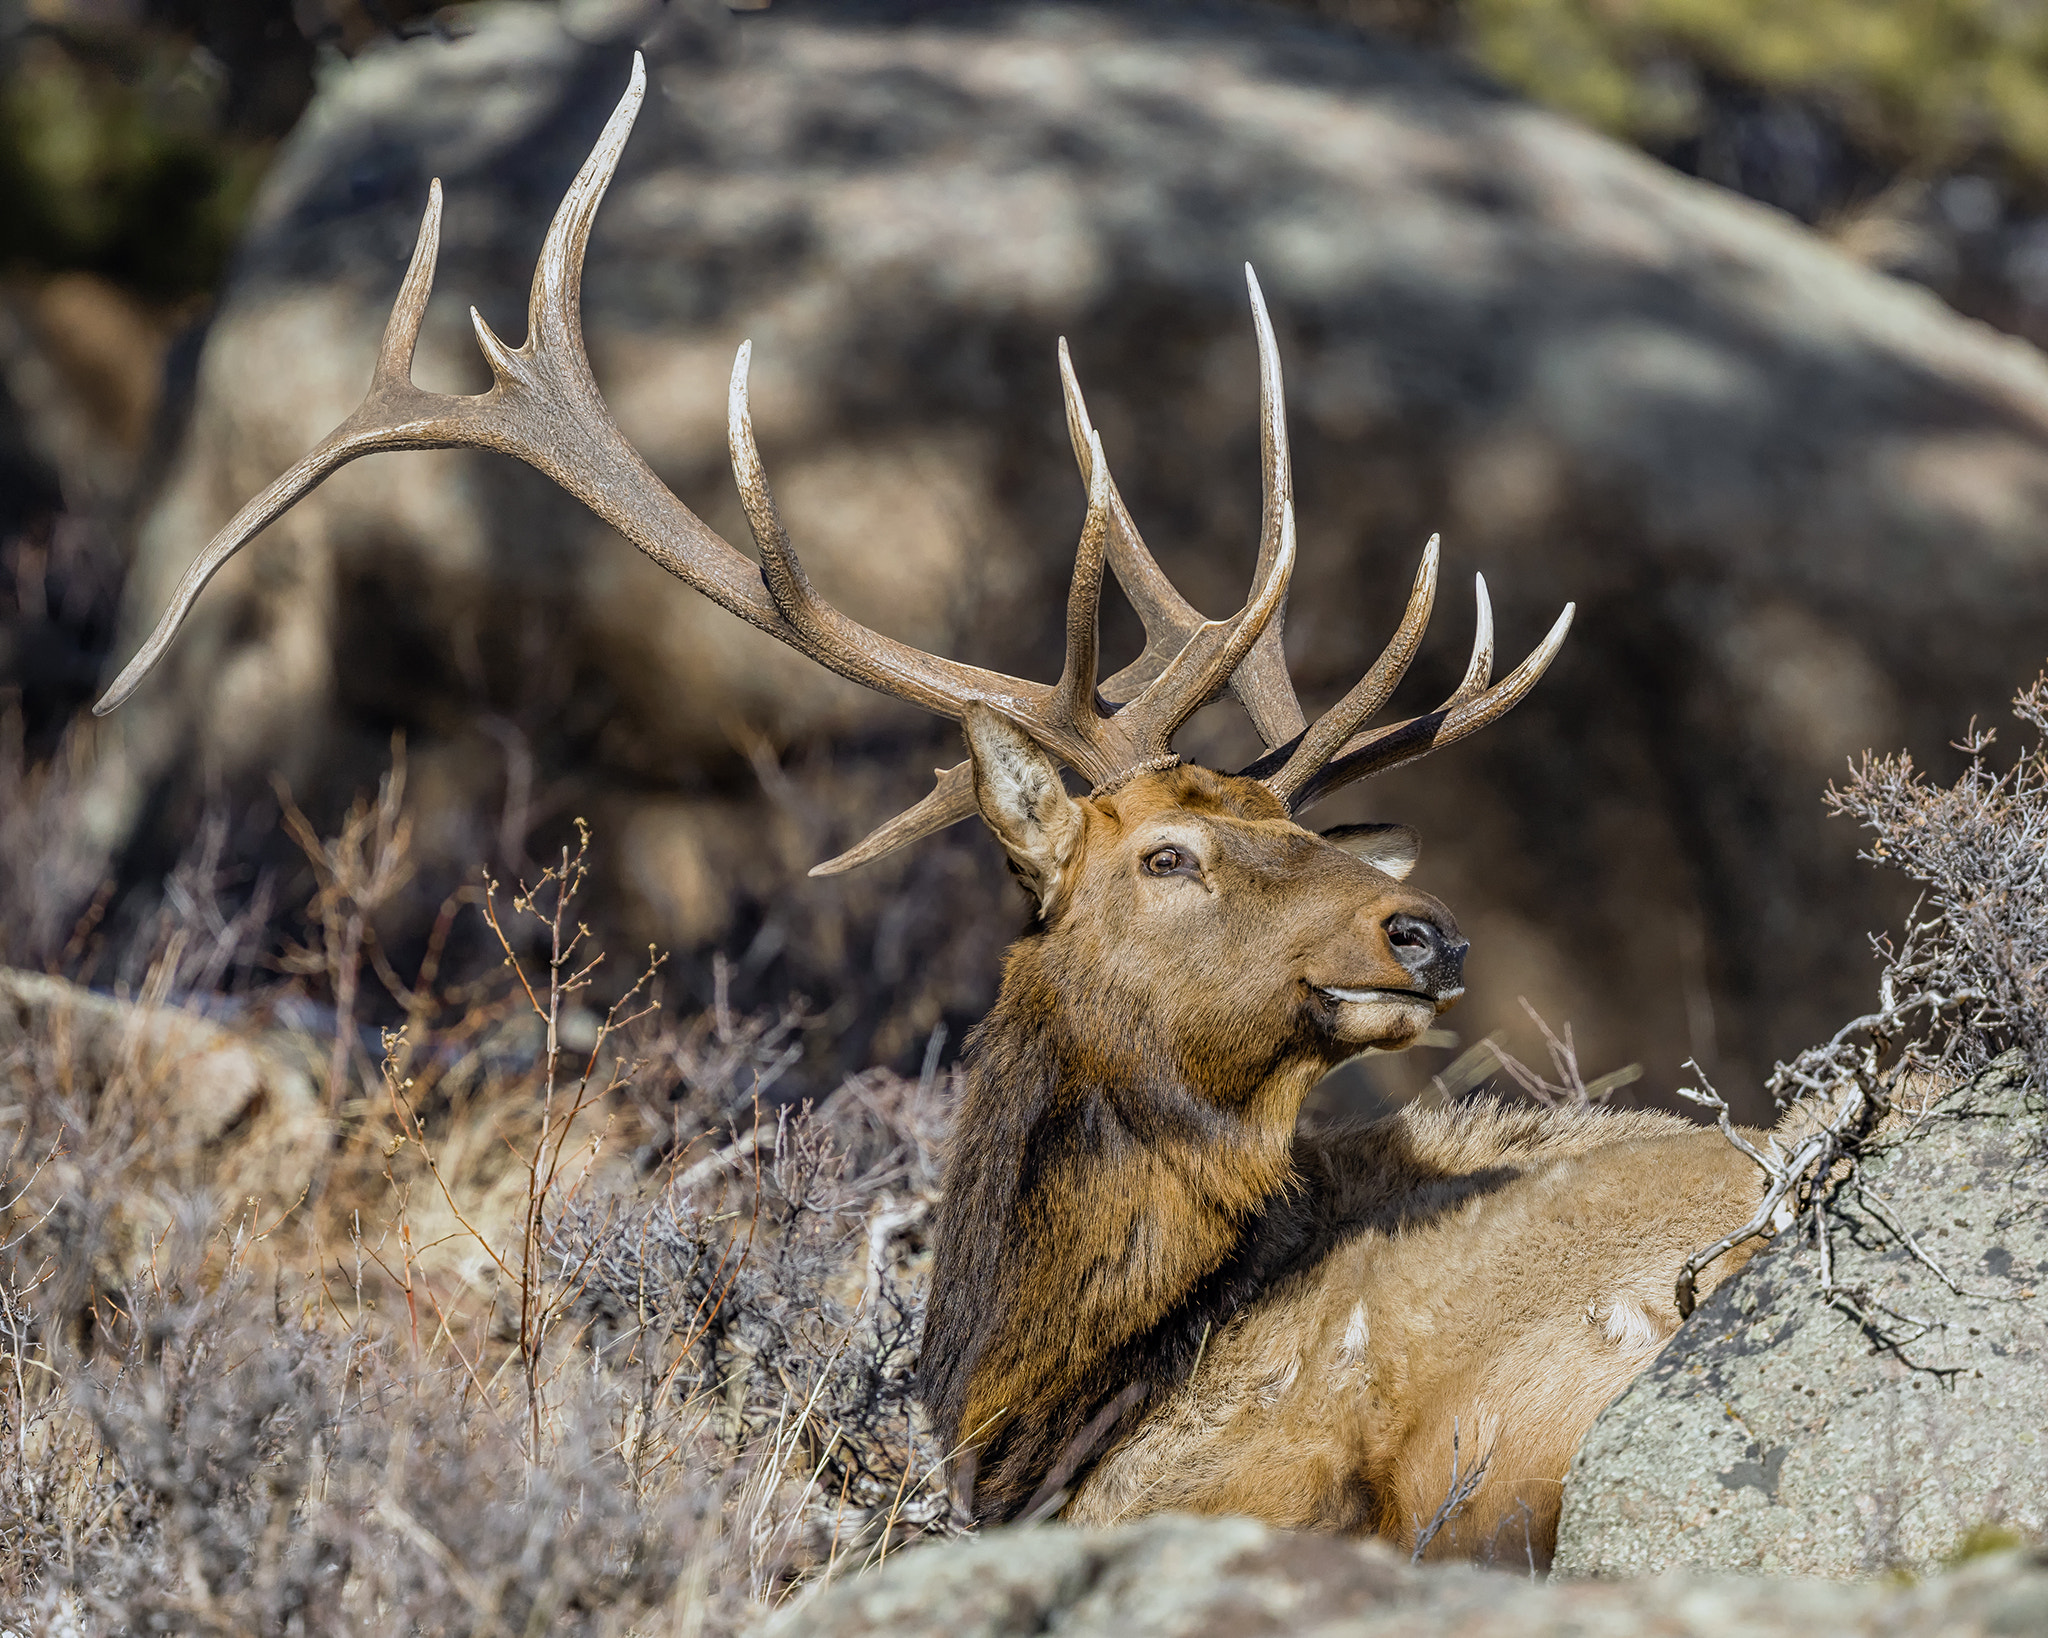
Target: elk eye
{"points": [[1167, 861]]}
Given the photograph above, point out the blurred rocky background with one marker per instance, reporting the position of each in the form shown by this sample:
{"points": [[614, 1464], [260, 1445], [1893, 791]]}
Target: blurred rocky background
{"points": [[1788, 451]]}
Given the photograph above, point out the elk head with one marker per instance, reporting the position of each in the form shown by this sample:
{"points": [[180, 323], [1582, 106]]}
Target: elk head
{"points": [[1169, 860], [1191, 898]]}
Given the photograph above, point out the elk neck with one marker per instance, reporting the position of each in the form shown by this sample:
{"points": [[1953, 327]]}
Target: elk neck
{"points": [[1118, 1185]]}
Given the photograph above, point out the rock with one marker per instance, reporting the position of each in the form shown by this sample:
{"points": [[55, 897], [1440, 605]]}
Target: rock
{"points": [[1776, 1433], [1179, 1577], [1801, 506], [130, 1107]]}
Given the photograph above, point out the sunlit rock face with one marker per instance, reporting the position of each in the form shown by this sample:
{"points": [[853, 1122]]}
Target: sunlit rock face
{"points": [[1779, 1435], [1802, 508]]}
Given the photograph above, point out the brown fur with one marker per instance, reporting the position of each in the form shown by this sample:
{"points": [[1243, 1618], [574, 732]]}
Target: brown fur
{"points": [[1131, 1235], [1501, 1269]]}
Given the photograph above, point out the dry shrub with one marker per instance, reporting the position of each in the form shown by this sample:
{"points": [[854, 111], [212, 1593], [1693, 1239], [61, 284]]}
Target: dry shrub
{"points": [[782, 1286], [236, 1459], [1979, 849], [577, 1330], [1963, 983], [711, 1410]]}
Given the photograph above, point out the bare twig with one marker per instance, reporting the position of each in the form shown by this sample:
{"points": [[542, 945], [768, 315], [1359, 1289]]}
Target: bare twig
{"points": [[1853, 1079], [1464, 1485], [1571, 1089]]}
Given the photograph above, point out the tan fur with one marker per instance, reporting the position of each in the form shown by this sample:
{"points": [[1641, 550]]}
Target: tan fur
{"points": [[1147, 1294], [1516, 1314]]}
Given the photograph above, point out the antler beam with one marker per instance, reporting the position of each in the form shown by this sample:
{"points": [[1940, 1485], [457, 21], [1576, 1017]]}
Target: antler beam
{"points": [[544, 408]]}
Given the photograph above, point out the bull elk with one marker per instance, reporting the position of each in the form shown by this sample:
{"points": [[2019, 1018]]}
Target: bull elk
{"points": [[1148, 1292]]}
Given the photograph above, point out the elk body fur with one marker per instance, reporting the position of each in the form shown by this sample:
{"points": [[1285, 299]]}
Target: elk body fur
{"points": [[1468, 1286], [1147, 1291]]}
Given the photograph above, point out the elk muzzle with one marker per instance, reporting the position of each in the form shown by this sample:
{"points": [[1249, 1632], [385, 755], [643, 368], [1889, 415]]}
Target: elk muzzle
{"points": [[1415, 971]]}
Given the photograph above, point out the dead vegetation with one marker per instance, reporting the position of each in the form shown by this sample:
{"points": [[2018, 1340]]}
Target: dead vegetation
{"points": [[576, 1327], [1966, 981], [1565, 1087]]}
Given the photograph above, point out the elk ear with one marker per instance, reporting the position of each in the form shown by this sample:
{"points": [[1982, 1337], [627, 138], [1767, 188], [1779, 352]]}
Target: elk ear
{"points": [[1390, 849], [1018, 789]]}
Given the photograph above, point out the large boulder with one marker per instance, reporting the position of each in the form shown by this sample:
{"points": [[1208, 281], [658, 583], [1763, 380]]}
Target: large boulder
{"points": [[1887, 1431], [1802, 507], [1176, 1577]]}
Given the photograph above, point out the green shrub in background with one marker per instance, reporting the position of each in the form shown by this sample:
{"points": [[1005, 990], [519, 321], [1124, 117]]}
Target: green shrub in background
{"points": [[1914, 87], [116, 162], [1928, 84]]}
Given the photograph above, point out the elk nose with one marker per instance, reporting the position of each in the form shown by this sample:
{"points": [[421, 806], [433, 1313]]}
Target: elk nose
{"points": [[1434, 957]]}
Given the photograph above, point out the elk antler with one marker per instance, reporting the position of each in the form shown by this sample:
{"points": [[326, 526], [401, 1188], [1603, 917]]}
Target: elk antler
{"points": [[1301, 765], [544, 407], [1170, 621]]}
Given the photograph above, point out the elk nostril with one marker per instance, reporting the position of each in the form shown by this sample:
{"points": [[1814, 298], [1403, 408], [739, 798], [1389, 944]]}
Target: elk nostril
{"points": [[1416, 943]]}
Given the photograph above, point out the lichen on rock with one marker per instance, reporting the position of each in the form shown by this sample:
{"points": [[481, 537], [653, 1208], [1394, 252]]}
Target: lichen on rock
{"points": [[1781, 1433]]}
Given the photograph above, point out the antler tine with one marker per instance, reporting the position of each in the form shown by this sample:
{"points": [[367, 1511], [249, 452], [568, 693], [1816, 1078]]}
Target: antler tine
{"points": [[402, 329], [783, 575], [1401, 742], [950, 801], [1073, 700], [1205, 666], [1169, 619], [1262, 682], [554, 302], [1342, 720], [1479, 669], [1276, 465], [368, 429]]}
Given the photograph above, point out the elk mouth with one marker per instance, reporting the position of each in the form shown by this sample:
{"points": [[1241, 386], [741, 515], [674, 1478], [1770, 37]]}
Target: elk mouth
{"points": [[1372, 1016], [1331, 992]]}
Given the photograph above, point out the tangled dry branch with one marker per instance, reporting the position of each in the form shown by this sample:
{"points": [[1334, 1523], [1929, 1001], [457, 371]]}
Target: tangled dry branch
{"points": [[1967, 981]]}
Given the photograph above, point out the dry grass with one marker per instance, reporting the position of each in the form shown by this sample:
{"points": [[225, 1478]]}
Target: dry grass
{"points": [[575, 1327]]}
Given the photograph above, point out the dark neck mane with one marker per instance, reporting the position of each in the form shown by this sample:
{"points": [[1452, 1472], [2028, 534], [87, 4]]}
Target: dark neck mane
{"points": [[1104, 1211]]}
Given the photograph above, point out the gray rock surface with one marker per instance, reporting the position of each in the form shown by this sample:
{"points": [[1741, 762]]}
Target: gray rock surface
{"points": [[1802, 507], [1177, 1577], [1776, 1433]]}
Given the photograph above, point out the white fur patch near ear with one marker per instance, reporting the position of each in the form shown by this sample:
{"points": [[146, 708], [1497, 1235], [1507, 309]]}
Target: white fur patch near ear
{"points": [[1390, 849], [1017, 787]]}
